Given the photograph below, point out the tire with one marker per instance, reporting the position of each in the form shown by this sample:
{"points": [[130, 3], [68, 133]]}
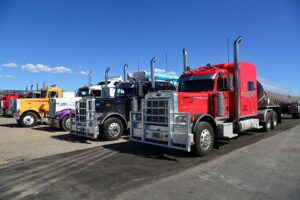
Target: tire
{"points": [[29, 119], [274, 121], [113, 129], [65, 123], [203, 130], [268, 123]]}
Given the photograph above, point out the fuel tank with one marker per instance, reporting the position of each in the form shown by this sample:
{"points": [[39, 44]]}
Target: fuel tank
{"points": [[271, 94]]}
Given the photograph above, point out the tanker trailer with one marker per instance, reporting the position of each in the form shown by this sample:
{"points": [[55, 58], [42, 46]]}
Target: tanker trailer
{"points": [[271, 95]]}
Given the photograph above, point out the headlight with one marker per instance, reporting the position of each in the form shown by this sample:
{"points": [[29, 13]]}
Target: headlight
{"points": [[98, 116], [179, 119]]}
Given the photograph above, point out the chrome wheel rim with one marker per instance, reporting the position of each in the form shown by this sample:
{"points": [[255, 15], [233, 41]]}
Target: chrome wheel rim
{"points": [[28, 120], [205, 139], [67, 123], [114, 129]]}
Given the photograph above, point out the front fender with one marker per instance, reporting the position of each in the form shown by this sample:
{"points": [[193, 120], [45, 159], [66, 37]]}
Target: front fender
{"points": [[199, 117], [116, 115], [63, 113]]}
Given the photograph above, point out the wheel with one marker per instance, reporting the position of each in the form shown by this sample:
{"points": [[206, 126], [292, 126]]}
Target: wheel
{"points": [[66, 123], [274, 121], [268, 122], [204, 139], [113, 129], [29, 119]]}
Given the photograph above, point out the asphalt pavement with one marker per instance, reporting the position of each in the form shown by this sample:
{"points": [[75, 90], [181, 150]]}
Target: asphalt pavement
{"points": [[256, 165]]}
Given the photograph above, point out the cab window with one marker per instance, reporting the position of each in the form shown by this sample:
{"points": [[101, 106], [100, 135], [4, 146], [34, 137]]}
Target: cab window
{"points": [[222, 84], [52, 95], [250, 86], [96, 93]]}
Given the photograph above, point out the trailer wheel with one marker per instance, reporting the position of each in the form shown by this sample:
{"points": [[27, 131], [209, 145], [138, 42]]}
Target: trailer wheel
{"points": [[66, 123], [274, 121], [29, 119], [204, 139], [113, 129], [268, 122]]}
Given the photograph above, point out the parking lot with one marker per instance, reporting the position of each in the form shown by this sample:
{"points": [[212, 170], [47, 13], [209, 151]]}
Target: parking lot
{"points": [[18, 144], [39, 163]]}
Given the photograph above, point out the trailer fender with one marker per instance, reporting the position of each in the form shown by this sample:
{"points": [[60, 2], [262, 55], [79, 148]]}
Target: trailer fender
{"points": [[196, 118], [117, 115], [263, 114]]}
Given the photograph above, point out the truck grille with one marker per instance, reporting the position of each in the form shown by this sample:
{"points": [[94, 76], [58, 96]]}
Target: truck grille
{"points": [[156, 111], [52, 109], [14, 106], [81, 111]]}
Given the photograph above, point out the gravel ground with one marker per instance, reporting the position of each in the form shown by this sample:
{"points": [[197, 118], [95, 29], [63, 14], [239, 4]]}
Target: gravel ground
{"points": [[18, 144]]}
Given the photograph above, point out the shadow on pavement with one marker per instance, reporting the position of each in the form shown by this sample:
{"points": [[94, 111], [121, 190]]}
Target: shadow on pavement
{"points": [[43, 128], [16, 125], [71, 138], [148, 151]]}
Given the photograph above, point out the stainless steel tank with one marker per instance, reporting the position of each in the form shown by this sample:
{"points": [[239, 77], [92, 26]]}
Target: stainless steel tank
{"points": [[271, 94]]}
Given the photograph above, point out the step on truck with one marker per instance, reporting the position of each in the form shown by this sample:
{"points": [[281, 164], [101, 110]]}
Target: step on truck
{"points": [[108, 117], [212, 102], [61, 108]]}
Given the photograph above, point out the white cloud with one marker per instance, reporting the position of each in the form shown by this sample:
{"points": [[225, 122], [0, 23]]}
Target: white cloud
{"points": [[44, 68], [85, 73], [6, 76], [10, 65], [163, 71], [61, 70], [36, 68]]}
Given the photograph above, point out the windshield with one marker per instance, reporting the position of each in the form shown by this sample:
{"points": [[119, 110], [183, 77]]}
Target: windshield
{"points": [[196, 85], [43, 94], [83, 92], [124, 92]]}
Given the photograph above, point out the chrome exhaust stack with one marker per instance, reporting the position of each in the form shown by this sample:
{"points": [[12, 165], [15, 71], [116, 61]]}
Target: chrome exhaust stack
{"points": [[152, 73], [185, 65], [106, 92], [125, 73], [237, 78]]}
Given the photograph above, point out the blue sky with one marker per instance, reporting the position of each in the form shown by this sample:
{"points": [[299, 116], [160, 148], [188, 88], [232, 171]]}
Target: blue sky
{"points": [[53, 41]]}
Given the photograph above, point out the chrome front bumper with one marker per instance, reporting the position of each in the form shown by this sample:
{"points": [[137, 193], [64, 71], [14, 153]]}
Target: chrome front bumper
{"points": [[175, 135], [9, 112], [84, 130]]}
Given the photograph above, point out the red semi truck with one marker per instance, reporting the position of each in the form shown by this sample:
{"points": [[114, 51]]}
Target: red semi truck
{"points": [[212, 102], [4, 104]]}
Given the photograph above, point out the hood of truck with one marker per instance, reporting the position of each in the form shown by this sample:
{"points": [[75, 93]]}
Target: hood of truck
{"points": [[111, 105], [37, 104], [194, 102]]}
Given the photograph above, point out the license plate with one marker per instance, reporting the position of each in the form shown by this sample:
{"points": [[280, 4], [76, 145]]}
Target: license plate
{"points": [[156, 135]]}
